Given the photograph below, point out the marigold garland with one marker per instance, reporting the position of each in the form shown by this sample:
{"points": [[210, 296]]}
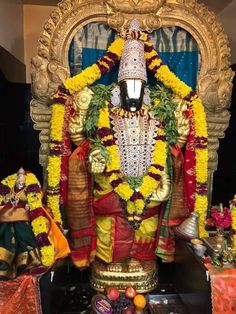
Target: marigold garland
{"points": [[170, 80], [94, 72], [54, 158], [58, 110], [233, 214], [39, 222]]}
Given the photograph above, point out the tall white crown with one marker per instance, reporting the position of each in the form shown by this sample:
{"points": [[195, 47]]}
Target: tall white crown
{"points": [[132, 62]]}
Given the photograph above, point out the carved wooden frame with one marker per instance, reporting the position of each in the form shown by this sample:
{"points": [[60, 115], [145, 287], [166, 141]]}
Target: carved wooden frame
{"points": [[50, 66]]}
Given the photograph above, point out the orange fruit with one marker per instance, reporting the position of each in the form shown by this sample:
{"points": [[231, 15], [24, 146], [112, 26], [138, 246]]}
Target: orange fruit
{"points": [[139, 301]]}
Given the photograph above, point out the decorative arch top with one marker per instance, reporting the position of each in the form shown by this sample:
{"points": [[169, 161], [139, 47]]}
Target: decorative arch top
{"points": [[50, 66]]}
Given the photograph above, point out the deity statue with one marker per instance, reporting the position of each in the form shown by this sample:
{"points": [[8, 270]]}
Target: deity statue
{"points": [[126, 225], [27, 232], [128, 183]]}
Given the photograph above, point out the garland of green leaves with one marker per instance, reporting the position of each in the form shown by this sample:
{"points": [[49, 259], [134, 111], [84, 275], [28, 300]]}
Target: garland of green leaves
{"points": [[163, 111]]}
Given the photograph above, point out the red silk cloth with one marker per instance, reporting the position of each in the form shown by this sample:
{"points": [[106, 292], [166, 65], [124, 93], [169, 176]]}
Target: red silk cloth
{"points": [[80, 216], [20, 295], [189, 167], [124, 243], [223, 290], [109, 204]]}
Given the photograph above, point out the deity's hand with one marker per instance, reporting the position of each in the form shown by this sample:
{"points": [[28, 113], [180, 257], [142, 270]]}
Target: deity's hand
{"points": [[182, 123], [162, 193], [80, 102], [97, 161], [76, 130]]}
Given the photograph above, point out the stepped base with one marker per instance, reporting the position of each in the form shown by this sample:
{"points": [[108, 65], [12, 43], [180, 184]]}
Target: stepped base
{"points": [[144, 280]]}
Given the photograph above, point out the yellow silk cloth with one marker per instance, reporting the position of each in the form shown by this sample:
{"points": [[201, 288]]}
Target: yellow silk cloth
{"points": [[20, 295], [116, 239], [223, 290], [107, 233]]}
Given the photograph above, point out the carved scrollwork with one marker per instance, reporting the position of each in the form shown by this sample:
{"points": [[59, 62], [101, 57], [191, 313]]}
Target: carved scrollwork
{"points": [[216, 124], [135, 6], [152, 22], [46, 77], [41, 116], [215, 93], [120, 13], [50, 66], [117, 21]]}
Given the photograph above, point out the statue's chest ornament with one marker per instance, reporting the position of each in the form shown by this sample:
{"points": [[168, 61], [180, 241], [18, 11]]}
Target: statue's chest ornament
{"points": [[135, 138], [123, 136]]}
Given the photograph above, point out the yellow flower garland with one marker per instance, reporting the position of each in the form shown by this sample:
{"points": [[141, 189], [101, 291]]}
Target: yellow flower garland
{"points": [[233, 215], [201, 201], [92, 73], [169, 79], [54, 161], [10, 182], [74, 84]]}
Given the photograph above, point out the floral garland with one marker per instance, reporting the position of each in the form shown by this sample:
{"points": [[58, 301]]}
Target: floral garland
{"points": [[233, 214], [38, 218], [55, 153], [170, 80], [58, 127], [135, 198]]}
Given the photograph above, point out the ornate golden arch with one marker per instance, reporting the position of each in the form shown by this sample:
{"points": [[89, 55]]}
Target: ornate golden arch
{"points": [[50, 66]]}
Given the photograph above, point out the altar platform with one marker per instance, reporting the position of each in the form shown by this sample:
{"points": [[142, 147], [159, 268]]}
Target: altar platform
{"points": [[184, 287]]}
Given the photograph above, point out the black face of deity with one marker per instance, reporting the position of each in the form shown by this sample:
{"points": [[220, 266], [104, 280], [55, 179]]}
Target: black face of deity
{"points": [[131, 94]]}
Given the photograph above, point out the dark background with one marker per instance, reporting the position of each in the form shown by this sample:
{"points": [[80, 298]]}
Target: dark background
{"points": [[224, 186], [19, 142]]}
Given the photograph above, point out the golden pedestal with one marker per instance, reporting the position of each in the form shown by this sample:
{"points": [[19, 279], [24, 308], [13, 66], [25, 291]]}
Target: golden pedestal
{"points": [[144, 281]]}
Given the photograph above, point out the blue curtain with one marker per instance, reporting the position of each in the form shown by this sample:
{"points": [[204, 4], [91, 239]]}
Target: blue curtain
{"points": [[176, 47]]}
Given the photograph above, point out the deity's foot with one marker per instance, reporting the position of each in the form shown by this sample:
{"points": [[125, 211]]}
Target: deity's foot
{"points": [[141, 274], [134, 265], [114, 267]]}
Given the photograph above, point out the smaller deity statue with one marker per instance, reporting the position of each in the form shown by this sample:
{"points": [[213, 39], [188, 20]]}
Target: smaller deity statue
{"points": [[27, 232]]}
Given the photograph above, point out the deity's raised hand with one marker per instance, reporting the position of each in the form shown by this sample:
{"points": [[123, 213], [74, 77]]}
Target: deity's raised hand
{"points": [[97, 161]]}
